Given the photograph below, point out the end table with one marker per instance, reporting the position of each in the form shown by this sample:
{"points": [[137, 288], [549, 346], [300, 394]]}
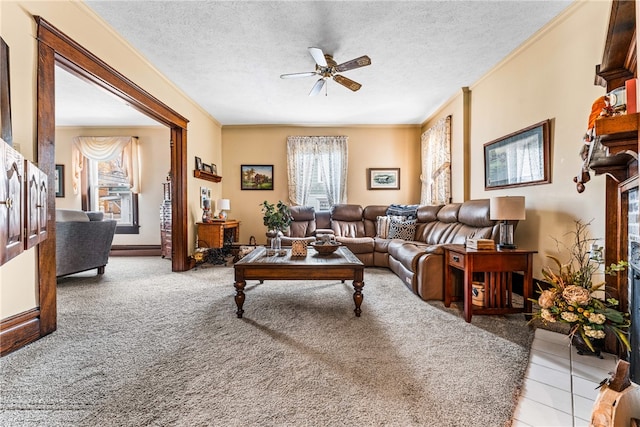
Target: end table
{"points": [[498, 267]]}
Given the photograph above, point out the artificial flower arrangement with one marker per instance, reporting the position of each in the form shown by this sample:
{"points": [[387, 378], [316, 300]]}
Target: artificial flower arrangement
{"points": [[570, 299]]}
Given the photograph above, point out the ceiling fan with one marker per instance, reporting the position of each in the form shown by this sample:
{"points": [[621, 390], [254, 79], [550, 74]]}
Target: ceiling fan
{"points": [[327, 68]]}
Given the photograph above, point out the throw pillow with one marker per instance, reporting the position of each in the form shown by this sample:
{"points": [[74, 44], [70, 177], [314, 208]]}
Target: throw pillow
{"points": [[382, 224], [404, 230], [410, 211]]}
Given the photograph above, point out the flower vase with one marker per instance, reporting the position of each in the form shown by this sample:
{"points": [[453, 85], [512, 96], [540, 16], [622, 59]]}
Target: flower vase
{"points": [[276, 244], [583, 349]]}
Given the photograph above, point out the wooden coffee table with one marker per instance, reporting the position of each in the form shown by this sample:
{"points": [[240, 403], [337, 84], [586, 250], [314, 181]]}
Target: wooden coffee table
{"points": [[341, 265]]}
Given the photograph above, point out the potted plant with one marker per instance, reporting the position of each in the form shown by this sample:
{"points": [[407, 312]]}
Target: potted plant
{"points": [[571, 299], [276, 218]]}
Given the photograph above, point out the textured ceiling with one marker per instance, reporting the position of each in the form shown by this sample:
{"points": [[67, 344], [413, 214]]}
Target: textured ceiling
{"points": [[228, 55]]}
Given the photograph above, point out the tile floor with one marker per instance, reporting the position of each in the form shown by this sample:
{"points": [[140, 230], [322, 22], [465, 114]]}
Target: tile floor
{"points": [[560, 385]]}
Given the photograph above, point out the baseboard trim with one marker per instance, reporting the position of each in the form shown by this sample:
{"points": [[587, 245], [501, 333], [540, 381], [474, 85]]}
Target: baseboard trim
{"points": [[19, 330], [135, 250]]}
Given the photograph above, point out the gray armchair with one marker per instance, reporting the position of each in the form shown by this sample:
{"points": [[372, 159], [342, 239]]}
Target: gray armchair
{"points": [[83, 241]]}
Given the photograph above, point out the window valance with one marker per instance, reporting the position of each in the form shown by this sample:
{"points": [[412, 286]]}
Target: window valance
{"points": [[103, 148]]}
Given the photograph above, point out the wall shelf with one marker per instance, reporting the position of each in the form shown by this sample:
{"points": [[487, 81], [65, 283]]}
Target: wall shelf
{"points": [[619, 133], [207, 176]]}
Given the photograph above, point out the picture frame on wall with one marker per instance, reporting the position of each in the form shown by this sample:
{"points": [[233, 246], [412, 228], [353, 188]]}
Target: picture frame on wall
{"points": [[518, 159], [207, 168], [256, 177], [214, 169], [383, 179], [59, 180], [198, 163]]}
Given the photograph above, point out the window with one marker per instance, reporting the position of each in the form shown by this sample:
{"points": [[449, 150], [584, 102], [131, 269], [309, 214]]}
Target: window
{"points": [[317, 170], [108, 167], [110, 192], [317, 193]]}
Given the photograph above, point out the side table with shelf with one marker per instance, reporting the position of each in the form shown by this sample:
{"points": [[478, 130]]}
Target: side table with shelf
{"points": [[216, 233], [498, 267]]}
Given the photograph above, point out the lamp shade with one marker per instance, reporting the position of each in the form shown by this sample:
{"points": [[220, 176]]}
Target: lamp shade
{"points": [[507, 208], [223, 204]]}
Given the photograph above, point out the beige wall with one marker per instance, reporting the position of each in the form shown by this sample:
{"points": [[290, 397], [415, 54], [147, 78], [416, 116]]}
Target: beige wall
{"points": [[550, 77], [155, 155], [369, 147], [18, 278]]}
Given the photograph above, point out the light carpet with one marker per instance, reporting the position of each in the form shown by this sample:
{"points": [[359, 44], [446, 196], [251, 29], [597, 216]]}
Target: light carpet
{"points": [[142, 346]]}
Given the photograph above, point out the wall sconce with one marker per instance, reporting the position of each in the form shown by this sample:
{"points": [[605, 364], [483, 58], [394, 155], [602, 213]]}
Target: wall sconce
{"points": [[223, 206], [505, 209]]}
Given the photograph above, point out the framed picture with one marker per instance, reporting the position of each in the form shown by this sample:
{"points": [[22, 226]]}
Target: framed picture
{"points": [[205, 194], [214, 168], [383, 179], [518, 159], [207, 168], [59, 180], [256, 177], [198, 163]]}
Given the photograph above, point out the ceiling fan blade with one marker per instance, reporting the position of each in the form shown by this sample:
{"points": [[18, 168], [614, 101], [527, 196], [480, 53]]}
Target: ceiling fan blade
{"points": [[318, 56], [297, 75], [348, 83], [317, 87], [363, 61]]}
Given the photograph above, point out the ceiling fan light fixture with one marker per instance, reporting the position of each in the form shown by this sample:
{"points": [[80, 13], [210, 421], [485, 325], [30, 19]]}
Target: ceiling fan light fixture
{"points": [[327, 67]]}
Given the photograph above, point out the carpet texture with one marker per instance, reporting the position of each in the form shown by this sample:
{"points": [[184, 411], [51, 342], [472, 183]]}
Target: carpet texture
{"points": [[142, 346]]}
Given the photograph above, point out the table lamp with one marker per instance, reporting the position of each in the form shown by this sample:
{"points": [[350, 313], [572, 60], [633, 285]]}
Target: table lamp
{"points": [[223, 205], [505, 209]]}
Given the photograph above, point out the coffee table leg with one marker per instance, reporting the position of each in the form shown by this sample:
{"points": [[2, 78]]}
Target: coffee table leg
{"points": [[239, 297], [357, 296]]}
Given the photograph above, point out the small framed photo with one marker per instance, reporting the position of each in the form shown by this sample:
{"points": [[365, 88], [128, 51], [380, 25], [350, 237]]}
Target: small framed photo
{"points": [[59, 180], [256, 177], [205, 197], [198, 163], [214, 168], [207, 168], [383, 179]]}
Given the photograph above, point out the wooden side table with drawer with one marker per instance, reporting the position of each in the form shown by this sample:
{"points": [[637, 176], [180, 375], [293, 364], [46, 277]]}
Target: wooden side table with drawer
{"points": [[214, 234], [498, 267]]}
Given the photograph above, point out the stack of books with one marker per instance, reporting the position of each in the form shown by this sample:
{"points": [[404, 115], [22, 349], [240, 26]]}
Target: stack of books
{"points": [[481, 244]]}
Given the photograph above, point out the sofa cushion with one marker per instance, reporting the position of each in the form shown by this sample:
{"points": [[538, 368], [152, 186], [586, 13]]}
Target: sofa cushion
{"points": [[303, 222], [383, 222], [346, 212], [404, 230], [410, 211], [428, 213], [475, 213], [358, 245], [71, 215], [95, 215], [449, 213], [346, 220], [407, 253]]}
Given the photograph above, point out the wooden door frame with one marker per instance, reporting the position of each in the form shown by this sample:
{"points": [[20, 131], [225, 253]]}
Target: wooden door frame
{"points": [[56, 48]]}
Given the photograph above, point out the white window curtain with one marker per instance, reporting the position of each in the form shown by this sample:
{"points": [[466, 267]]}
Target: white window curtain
{"points": [[102, 148], [332, 154], [436, 164]]}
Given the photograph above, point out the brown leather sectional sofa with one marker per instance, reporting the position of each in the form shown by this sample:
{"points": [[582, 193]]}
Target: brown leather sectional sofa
{"points": [[418, 262]]}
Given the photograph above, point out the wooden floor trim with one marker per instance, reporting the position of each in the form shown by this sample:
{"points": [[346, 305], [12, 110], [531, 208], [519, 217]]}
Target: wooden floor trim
{"points": [[19, 330], [135, 250]]}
